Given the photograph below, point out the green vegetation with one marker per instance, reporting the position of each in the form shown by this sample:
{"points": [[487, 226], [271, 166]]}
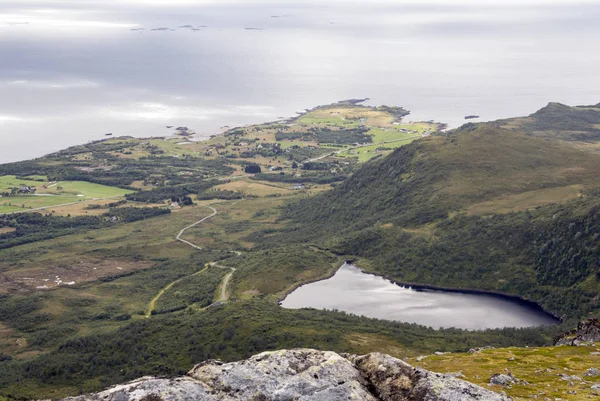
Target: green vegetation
{"points": [[17, 194], [32, 227], [540, 368], [170, 344], [578, 125], [406, 216], [109, 294], [195, 291]]}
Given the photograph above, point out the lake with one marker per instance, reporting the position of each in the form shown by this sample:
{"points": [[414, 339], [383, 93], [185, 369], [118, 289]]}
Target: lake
{"points": [[350, 290], [75, 70]]}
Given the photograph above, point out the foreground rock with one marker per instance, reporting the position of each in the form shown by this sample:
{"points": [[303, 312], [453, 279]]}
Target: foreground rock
{"points": [[301, 375]]}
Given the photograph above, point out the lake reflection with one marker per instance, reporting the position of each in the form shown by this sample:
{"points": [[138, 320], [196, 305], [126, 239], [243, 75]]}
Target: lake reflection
{"points": [[353, 291]]}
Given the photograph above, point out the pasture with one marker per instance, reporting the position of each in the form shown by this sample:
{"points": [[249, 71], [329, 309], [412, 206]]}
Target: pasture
{"points": [[50, 194]]}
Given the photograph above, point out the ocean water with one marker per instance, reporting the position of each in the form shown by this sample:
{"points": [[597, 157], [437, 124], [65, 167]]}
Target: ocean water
{"points": [[73, 70]]}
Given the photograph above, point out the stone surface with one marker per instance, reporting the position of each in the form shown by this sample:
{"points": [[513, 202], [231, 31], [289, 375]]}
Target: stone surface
{"points": [[592, 372], [301, 375], [183, 389], [502, 379], [587, 332]]}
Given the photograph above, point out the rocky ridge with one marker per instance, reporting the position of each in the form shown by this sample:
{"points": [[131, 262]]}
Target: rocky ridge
{"points": [[301, 375]]}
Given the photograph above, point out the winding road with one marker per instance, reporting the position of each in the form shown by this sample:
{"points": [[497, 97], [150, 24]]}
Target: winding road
{"points": [[178, 237], [225, 282], [223, 298]]}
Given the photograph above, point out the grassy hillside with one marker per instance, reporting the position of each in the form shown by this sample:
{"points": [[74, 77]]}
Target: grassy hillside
{"points": [[169, 344], [481, 207], [578, 126], [436, 176]]}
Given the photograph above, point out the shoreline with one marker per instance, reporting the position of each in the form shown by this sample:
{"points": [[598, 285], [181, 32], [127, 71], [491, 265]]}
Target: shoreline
{"points": [[200, 137], [293, 288], [431, 287]]}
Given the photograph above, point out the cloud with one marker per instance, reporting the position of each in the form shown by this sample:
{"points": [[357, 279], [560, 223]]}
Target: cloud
{"points": [[81, 84], [10, 119], [58, 18]]}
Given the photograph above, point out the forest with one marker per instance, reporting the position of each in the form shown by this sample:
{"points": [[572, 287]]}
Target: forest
{"points": [[32, 227]]}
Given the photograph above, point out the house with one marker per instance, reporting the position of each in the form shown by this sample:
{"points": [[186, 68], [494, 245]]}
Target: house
{"points": [[298, 186], [175, 205], [24, 189]]}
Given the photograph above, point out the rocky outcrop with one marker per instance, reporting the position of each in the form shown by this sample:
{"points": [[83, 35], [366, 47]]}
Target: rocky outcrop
{"points": [[301, 375], [587, 332]]}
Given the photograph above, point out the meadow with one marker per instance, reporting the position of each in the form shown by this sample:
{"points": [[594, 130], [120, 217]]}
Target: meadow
{"points": [[52, 194]]}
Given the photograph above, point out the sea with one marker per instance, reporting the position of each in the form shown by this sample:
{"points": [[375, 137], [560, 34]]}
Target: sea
{"points": [[73, 71]]}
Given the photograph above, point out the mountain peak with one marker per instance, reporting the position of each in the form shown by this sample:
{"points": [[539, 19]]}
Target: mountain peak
{"points": [[551, 108]]}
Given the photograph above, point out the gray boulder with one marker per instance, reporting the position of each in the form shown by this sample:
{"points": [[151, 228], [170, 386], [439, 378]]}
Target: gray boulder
{"points": [[301, 375], [392, 379], [502, 379], [592, 372]]}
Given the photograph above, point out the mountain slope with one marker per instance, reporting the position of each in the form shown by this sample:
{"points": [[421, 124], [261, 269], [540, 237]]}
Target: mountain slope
{"points": [[482, 207], [580, 126], [435, 176]]}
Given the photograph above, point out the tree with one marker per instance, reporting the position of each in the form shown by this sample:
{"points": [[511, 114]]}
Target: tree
{"points": [[252, 169]]}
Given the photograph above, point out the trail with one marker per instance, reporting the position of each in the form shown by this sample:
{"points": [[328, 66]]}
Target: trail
{"points": [[152, 304], [226, 280], [178, 237], [223, 298]]}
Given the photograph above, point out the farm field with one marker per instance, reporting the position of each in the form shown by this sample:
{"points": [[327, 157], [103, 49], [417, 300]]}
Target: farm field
{"points": [[49, 194]]}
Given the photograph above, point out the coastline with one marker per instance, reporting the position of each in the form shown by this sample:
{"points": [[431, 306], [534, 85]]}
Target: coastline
{"points": [[224, 130], [430, 287]]}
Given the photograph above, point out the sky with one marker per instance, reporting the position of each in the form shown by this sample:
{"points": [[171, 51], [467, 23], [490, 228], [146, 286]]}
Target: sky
{"points": [[73, 71]]}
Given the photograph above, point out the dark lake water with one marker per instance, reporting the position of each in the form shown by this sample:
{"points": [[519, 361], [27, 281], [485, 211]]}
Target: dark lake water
{"points": [[74, 70], [353, 291]]}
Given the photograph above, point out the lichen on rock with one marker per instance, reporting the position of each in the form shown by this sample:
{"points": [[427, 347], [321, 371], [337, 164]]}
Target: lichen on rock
{"points": [[301, 375]]}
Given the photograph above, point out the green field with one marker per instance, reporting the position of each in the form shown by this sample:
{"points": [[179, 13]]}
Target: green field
{"points": [[382, 135], [366, 153], [311, 119], [55, 194]]}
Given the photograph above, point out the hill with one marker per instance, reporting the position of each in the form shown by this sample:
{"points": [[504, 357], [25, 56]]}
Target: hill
{"points": [[481, 207], [579, 126]]}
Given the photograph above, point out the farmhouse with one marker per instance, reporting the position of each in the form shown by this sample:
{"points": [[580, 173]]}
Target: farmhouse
{"points": [[24, 189]]}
